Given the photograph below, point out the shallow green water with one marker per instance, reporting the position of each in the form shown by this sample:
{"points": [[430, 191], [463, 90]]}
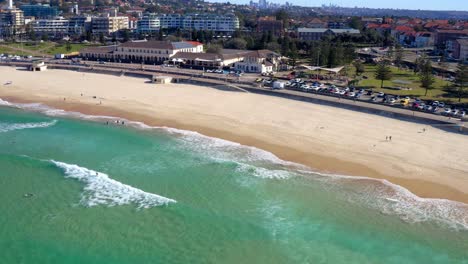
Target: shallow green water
{"points": [[166, 196]]}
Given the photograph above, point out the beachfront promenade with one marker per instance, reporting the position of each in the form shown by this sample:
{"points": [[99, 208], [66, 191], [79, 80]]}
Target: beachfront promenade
{"points": [[236, 83]]}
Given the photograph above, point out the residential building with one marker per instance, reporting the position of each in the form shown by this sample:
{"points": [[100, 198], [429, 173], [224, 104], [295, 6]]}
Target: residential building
{"points": [[316, 23], [215, 23], [423, 40], [170, 21], [442, 36], [270, 24], [109, 24], [149, 23], [259, 61], [151, 52], [40, 11], [458, 49], [309, 34], [79, 25], [11, 22], [463, 50], [53, 27]]}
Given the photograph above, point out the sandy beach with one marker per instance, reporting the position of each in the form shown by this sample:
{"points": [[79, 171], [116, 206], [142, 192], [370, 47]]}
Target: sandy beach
{"points": [[431, 163]]}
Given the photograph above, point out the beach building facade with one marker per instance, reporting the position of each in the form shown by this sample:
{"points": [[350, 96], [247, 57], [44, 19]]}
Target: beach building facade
{"points": [[151, 52], [225, 58], [259, 61]]}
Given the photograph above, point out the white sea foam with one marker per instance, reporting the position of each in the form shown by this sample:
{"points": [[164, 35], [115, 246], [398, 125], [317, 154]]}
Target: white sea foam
{"points": [[393, 199], [378, 194], [4, 103], [102, 190], [6, 127], [263, 172]]}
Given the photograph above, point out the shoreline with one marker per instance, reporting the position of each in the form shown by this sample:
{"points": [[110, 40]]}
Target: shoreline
{"points": [[322, 161]]}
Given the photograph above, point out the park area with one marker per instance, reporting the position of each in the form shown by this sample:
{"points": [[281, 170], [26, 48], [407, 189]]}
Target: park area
{"points": [[405, 83], [41, 49]]}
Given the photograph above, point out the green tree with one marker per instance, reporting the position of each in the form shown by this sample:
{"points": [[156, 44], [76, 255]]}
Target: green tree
{"points": [[126, 35], [283, 16], [236, 43], [214, 48], [359, 67], [461, 81], [383, 73], [101, 38], [426, 77], [68, 46], [356, 23], [398, 55]]}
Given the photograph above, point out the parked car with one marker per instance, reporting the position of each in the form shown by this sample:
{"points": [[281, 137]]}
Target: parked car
{"points": [[454, 112], [446, 111], [381, 94], [461, 114], [392, 100]]}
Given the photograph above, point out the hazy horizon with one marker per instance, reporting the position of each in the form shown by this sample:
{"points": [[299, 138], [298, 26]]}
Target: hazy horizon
{"points": [[434, 5]]}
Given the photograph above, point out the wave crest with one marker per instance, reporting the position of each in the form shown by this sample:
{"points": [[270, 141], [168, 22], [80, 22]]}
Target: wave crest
{"points": [[102, 190], [6, 127]]}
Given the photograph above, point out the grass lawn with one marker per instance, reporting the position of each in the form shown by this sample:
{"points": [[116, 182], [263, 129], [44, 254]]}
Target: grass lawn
{"points": [[412, 80], [62, 48], [6, 50], [48, 47]]}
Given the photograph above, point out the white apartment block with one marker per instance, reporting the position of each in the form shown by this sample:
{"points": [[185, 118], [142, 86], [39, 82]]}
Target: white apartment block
{"points": [[216, 23]]}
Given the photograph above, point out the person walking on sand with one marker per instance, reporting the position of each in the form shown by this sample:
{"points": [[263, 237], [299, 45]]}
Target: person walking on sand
{"points": [[390, 137], [386, 138]]}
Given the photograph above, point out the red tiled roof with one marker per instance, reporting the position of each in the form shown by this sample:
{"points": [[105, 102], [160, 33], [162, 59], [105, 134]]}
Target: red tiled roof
{"points": [[373, 25], [194, 43], [403, 28]]}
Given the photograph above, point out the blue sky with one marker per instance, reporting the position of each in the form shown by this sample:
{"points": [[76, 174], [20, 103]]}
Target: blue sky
{"points": [[461, 5]]}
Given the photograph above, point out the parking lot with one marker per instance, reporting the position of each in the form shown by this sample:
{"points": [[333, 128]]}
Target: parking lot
{"points": [[351, 93]]}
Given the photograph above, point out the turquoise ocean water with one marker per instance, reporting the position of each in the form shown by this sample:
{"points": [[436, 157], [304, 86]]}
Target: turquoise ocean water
{"points": [[75, 190]]}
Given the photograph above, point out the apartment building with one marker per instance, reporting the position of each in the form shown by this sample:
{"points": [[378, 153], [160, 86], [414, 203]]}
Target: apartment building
{"points": [[11, 22], [109, 24], [149, 23], [40, 11], [51, 27], [216, 23]]}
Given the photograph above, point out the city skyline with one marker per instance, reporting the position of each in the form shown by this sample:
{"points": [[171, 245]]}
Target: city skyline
{"points": [[449, 5]]}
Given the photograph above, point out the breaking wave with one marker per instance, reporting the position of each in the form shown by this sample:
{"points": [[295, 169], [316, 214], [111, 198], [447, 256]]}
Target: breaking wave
{"points": [[6, 127], [102, 190], [381, 195]]}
